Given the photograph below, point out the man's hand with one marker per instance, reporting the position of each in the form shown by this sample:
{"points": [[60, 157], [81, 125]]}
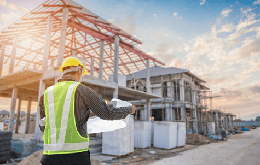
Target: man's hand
{"points": [[133, 109]]}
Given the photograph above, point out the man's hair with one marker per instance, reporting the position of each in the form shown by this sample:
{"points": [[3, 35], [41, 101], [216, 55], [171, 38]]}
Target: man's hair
{"points": [[69, 73]]}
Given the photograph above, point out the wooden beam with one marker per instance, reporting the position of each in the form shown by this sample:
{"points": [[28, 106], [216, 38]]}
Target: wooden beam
{"points": [[46, 51], [2, 58], [69, 6], [13, 53]]}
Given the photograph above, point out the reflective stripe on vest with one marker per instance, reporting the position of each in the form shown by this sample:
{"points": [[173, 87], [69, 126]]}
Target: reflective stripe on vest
{"points": [[60, 145]]}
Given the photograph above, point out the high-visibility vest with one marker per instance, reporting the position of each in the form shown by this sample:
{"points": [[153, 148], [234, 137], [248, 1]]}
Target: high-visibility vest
{"points": [[60, 134]]}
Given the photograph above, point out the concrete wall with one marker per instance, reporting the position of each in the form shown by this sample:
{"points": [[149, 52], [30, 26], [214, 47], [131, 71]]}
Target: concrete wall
{"points": [[165, 135], [143, 132], [246, 123], [119, 142], [181, 134]]}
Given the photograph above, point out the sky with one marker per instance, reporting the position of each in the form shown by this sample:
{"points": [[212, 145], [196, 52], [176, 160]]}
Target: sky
{"points": [[216, 40]]}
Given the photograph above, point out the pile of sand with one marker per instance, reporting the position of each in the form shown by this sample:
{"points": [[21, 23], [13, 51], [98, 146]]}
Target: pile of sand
{"points": [[197, 139], [33, 159]]}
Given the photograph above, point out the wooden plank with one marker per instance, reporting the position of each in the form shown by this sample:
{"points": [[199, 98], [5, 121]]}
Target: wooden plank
{"points": [[2, 58], [46, 51], [13, 53]]}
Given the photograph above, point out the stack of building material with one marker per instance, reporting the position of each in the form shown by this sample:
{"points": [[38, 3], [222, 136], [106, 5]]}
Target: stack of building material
{"points": [[5, 146], [142, 134], [181, 134], [165, 135], [119, 142]]}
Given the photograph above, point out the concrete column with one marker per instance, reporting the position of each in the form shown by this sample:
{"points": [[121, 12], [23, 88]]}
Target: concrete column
{"points": [[148, 77], [17, 123], [12, 109], [183, 109], [46, 50], [38, 132], [116, 56], [101, 56], [217, 119], [2, 58], [92, 66], [115, 93], [230, 122], [149, 110], [62, 36], [13, 53], [28, 115], [74, 53]]}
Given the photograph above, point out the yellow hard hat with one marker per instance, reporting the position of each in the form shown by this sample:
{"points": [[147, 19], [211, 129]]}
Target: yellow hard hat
{"points": [[72, 61]]}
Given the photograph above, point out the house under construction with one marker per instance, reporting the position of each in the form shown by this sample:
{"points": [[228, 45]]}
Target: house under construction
{"points": [[34, 47]]}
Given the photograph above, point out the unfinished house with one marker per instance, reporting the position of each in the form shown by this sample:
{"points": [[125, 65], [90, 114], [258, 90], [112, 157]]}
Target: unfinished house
{"points": [[180, 92], [34, 47]]}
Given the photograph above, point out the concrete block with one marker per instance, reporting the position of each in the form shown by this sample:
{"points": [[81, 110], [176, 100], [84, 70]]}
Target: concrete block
{"points": [[23, 126], [165, 134], [211, 128], [1, 126], [119, 142], [25, 148], [181, 134], [142, 134]]}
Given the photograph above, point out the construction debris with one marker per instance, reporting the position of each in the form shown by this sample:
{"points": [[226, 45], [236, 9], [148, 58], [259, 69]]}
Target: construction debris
{"points": [[197, 139], [33, 159]]}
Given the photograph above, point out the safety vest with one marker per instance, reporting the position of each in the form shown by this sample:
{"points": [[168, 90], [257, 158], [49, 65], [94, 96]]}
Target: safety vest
{"points": [[60, 134]]}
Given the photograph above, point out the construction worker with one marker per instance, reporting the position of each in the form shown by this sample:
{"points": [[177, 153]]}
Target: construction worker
{"points": [[66, 107]]}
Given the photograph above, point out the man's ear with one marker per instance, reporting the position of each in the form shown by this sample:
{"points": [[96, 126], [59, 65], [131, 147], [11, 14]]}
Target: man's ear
{"points": [[79, 71]]}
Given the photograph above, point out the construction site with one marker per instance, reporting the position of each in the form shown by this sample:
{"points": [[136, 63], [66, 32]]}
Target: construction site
{"points": [[174, 107]]}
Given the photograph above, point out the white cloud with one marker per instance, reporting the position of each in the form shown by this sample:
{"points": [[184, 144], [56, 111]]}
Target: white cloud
{"points": [[247, 10], [155, 15], [3, 3], [256, 2], [244, 24], [15, 7], [175, 14], [227, 28], [202, 2], [225, 13]]}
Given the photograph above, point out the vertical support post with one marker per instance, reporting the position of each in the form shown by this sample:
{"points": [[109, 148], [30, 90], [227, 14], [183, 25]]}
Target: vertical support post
{"points": [[46, 51], [115, 93], [62, 36], [28, 115], [52, 63], [183, 109], [17, 123], [92, 66], [217, 119], [2, 58], [74, 53], [116, 56], [230, 123], [12, 109], [148, 77], [13, 53], [148, 109], [101, 57], [37, 133]]}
